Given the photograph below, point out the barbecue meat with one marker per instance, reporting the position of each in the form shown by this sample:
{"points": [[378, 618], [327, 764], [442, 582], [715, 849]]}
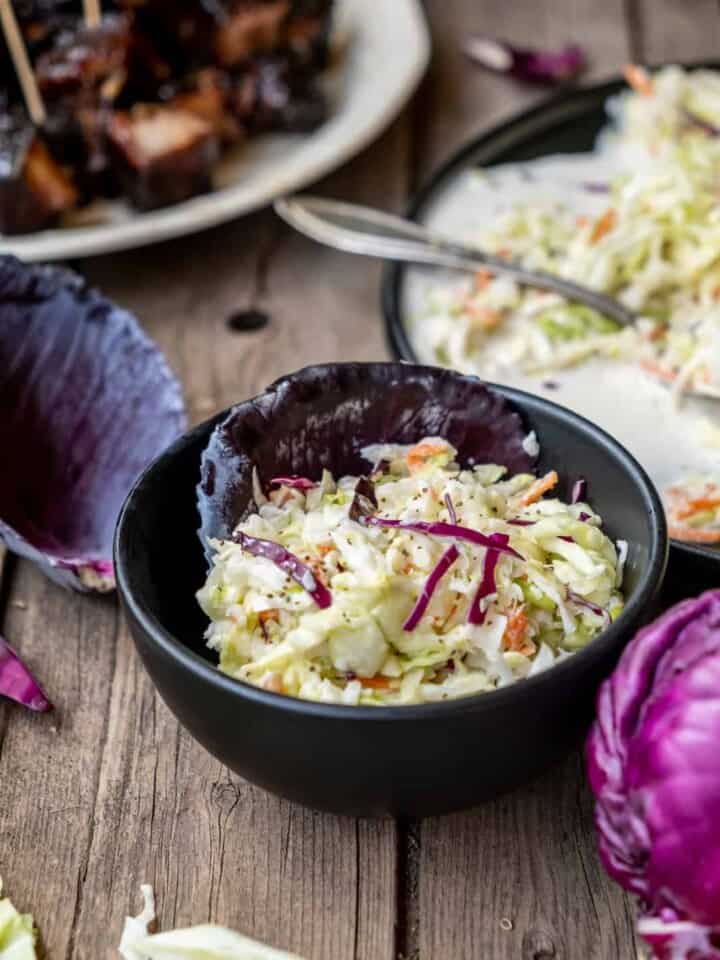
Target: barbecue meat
{"points": [[34, 189], [143, 103], [163, 154], [86, 61], [250, 29], [283, 96]]}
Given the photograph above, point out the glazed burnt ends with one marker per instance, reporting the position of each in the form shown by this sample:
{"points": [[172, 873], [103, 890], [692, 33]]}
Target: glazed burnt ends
{"points": [[323, 416]]}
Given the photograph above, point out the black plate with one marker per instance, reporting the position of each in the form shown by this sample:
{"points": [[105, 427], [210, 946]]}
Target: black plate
{"points": [[567, 123]]}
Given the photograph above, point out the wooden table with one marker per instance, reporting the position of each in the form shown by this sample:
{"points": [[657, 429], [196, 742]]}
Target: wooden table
{"points": [[109, 792]]}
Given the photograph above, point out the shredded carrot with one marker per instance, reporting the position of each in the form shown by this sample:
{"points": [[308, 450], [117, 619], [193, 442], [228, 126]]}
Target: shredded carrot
{"points": [[697, 506], [324, 548], [693, 534], [581, 221], [639, 79], [716, 293], [266, 615], [485, 317], [376, 683], [483, 278], [537, 489], [417, 455], [515, 637], [662, 373], [604, 225], [274, 683], [653, 333]]}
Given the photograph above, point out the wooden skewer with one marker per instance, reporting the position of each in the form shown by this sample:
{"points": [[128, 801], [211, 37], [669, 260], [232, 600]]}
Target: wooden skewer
{"points": [[21, 61], [93, 13]]}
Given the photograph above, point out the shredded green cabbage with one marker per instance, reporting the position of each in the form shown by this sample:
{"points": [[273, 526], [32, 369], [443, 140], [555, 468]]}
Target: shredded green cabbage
{"points": [[17, 932], [268, 630], [206, 941]]}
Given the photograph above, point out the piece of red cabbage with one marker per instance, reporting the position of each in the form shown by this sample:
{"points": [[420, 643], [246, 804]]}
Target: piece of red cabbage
{"points": [[532, 66], [579, 490], [421, 604], [296, 483], [588, 604], [17, 683], [654, 766], [364, 500], [87, 402], [699, 123], [451, 531], [476, 615], [288, 563], [323, 416]]}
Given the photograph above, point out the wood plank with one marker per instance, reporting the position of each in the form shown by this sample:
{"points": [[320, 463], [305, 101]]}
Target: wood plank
{"points": [[527, 861], [528, 857], [459, 99], [669, 32], [109, 792]]}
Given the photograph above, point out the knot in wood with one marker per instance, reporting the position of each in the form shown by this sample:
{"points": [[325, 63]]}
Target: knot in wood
{"points": [[538, 945]]}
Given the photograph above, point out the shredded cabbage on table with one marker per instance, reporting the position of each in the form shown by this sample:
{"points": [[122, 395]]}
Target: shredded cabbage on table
{"points": [[421, 583]]}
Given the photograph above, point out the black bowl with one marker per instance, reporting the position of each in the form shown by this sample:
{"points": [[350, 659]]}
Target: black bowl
{"points": [[411, 760]]}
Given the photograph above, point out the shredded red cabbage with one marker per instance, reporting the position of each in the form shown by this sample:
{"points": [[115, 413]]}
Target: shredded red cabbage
{"points": [[298, 483], [533, 66], [288, 563], [450, 508], [596, 186], [522, 523], [579, 490], [567, 539], [17, 683], [694, 120], [476, 615], [364, 501], [589, 605], [441, 568], [585, 517], [451, 530]]}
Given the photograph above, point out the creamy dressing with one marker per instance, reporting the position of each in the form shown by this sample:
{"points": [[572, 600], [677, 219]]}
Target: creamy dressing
{"points": [[668, 437]]}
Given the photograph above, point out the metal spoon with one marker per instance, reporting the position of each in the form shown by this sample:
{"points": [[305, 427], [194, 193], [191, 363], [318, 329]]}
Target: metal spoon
{"points": [[357, 229]]}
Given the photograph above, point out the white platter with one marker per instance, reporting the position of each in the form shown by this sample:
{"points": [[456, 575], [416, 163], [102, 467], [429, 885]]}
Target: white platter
{"points": [[386, 48]]}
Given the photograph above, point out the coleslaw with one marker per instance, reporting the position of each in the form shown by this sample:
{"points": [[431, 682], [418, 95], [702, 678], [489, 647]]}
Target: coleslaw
{"points": [[655, 246], [419, 582]]}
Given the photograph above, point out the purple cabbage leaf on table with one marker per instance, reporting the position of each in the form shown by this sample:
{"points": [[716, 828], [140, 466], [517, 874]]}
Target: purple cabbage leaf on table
{"points": [[532, 66], [654, 765], [323, 416], [17, 683], [86, 402]]}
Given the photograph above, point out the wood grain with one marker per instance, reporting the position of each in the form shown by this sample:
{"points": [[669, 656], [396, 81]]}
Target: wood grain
{"points": [[667, 31], [109, 792], [460, 99]]}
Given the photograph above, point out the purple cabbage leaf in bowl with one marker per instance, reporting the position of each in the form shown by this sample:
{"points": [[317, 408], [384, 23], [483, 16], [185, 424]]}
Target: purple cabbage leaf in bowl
{"points": [[323, 416]]}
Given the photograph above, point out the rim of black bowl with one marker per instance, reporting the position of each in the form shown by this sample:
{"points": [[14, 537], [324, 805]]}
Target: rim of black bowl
{"points": [[563, 106], [646, 592]]}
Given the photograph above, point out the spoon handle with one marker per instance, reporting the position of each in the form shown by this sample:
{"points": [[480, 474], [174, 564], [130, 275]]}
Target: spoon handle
{"points": [[372, 233]]}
